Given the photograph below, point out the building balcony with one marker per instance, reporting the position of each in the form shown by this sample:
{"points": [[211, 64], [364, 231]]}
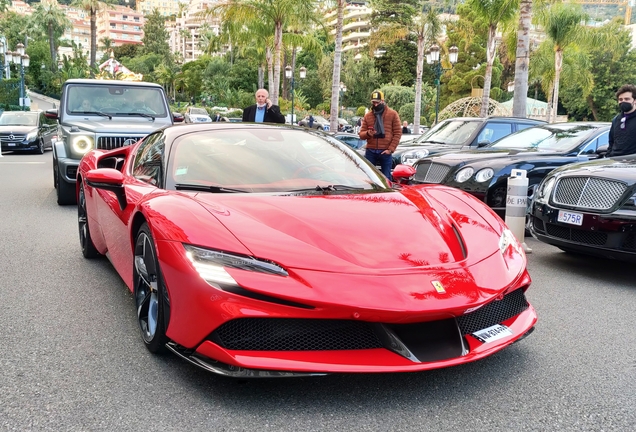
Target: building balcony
{"points": [[355, 36]]}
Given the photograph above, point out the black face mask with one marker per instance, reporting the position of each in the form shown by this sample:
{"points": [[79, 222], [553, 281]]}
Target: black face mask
{"points": [[625, 106]]}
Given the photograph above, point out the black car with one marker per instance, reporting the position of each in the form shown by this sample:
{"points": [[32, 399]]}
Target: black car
{"points": [[457, 134], [589, 208], [538, 150], [26, 130]]}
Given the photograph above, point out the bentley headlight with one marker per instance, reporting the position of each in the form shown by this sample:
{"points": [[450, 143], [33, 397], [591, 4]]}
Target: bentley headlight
{"points": [[507, 240], [32, 135], [409, 158], [82, 144], [545, 189], [464, 174], [484, 174], [211, 265]]}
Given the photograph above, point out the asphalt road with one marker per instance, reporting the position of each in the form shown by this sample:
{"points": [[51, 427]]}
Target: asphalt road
{"points": [[71, 358]]}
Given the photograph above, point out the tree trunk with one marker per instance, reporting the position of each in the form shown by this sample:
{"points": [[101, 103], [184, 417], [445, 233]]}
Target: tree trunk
{"points": [[278, 43], [558, 65], [261, 76], [270, 70], [520, 98], [548, 96], [337, 60], [490, 58], [52, 47], [93, 38], [418, 84]]}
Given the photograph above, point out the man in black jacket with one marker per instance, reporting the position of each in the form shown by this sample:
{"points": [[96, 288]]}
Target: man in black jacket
{"points": [[622, 134], [263, 111]]}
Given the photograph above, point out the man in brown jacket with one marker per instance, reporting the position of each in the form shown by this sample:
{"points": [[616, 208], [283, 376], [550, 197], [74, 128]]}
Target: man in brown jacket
{"points": [[382, 129]]}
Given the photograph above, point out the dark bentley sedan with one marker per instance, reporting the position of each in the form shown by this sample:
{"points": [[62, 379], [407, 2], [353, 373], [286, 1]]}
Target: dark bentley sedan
{"points": [[538, 150], [589, 208], [26, 130]]}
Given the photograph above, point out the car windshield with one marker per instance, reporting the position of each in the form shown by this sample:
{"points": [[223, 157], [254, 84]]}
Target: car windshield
{"points": [[268, 160], [198, 111], [115, 100], [546, 138], [320, 119], [450, 132], [18, 119]]}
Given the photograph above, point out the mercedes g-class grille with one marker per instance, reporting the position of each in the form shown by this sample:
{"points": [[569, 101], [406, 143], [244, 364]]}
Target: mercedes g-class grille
{"points": [[588, 192], [112, 142], [429, 172]]}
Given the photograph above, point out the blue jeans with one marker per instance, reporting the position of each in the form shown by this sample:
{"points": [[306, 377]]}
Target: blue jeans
{"points": [[384, 161]]}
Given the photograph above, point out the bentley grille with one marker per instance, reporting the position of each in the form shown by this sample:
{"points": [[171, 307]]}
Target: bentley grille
{"points": [[112, 142], [429, 172], [588, 192]]}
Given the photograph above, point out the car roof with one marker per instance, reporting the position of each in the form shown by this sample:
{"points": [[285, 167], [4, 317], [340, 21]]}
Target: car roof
{"points": [[111, 82], [503, 118]]}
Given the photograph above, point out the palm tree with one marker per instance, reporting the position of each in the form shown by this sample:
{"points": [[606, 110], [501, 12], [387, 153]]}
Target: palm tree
{"points": [[92, 7], [426, 28], [493, 13], [277, 14], [520, 96], [337, 64], [53, 21], [562, 25]]}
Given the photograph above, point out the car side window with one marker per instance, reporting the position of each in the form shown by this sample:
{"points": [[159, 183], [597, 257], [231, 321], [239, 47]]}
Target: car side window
{"points": [[493, 131], [522, 126], [590, 148], [148, 166]]}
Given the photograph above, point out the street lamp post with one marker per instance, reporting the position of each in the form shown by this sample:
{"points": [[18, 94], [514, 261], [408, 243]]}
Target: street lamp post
{"points": [[3, 50], [22, 59], [289, 74], [343, 90], [432, 58]]}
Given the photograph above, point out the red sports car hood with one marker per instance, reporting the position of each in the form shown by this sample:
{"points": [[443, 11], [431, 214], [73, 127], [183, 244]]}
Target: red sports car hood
{"points": [[379, 232]]}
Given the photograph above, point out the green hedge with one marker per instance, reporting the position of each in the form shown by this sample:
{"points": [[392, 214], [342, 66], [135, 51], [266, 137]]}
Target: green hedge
{"points": [[10, 93]]}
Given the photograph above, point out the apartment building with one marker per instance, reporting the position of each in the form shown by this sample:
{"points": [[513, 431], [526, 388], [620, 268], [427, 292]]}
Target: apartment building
{"points": [[165, 7], [356, 28], [185, 33], [121, 24]]}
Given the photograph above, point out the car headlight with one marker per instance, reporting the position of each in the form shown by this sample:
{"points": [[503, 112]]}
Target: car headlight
{"points": [[211, 264], [484, 174], [464, 174], [32, 135], [82, 144], [545, 189], [507, 240], [409, 158]]}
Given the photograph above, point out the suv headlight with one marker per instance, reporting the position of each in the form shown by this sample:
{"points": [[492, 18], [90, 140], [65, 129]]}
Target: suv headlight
{"points": [[409, 158], [464, 174], [81, 144], [32, 135]]}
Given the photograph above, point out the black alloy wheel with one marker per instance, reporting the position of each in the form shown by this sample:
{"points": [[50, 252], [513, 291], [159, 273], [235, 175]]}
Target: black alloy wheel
{"points": [[149, 292], [88, 248], [40, 148]]}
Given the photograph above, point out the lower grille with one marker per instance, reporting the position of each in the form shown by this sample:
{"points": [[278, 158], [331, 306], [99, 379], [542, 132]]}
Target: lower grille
{"points": [[428, 172], [112, 142], [576, 235], [279, 334], [629, 242], [494, 312], [538, 224]]}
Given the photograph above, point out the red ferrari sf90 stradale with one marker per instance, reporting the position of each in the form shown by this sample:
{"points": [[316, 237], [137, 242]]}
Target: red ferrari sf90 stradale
{"points": [[258, 250]]}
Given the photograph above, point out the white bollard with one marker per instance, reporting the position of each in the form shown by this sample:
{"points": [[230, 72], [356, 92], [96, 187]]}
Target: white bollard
{"points": [[517, 205]]}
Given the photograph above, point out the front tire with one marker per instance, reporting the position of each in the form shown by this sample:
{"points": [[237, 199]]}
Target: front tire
{"points": [[150, 292], [40, 148], [88, 248], [65, 190]]}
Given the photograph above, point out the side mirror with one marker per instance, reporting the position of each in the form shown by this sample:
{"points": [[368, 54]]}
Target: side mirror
{"points": [[402, 173], [51, 114], [108, 179], [177, 117], [602, 150], [483, 143]]}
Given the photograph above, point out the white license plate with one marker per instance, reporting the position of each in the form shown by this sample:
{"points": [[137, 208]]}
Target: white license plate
{"points": [[493, 333], [11, 144], [570, 218]]}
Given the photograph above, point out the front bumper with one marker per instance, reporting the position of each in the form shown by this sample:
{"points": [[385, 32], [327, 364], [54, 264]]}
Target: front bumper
{"points": [[68, 168], [19, 146], [607, 236]]}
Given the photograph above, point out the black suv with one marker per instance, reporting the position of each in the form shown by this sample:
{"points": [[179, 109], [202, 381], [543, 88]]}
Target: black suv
{"points": [[459, 133]]}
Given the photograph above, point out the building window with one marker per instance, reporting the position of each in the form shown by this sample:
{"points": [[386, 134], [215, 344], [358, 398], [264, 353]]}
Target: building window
{"points": [[136, 19], [124, 17]]}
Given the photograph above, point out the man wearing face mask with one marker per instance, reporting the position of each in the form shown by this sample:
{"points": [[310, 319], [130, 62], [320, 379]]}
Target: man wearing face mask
{"points": [[382, 129], [622, 134]]}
